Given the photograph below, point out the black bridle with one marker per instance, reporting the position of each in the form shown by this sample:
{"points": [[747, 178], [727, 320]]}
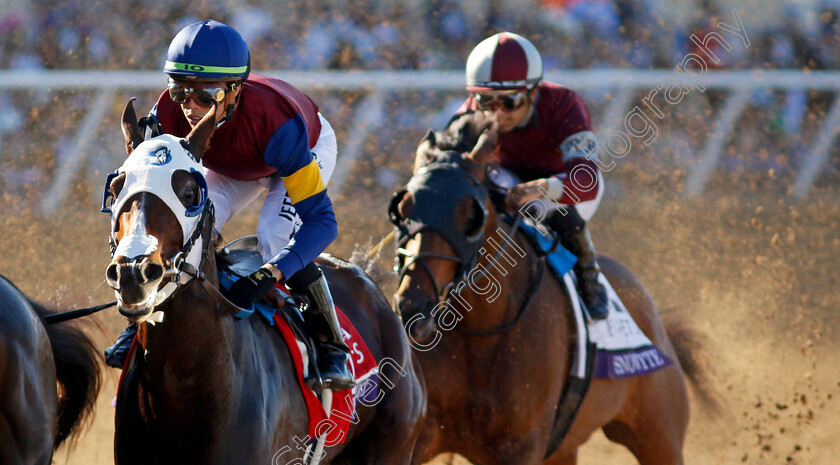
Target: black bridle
{"points": [[436, 188]]}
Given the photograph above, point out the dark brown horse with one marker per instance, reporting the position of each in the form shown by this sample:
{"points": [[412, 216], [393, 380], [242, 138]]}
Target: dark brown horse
{"points": [[496, 353], [203, 387], [49, 379]]}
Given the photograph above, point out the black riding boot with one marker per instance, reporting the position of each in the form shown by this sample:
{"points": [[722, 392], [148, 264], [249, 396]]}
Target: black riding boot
{"points": [[322, 323], [574, 236], [116, 354]]}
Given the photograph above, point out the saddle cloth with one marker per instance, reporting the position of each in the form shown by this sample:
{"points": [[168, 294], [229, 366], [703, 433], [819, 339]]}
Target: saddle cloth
{"points": [[623, 350], [343, 410], [362, 364], [240, 258]]}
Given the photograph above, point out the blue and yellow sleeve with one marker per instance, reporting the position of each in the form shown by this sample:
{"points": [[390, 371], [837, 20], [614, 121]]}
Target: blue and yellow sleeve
{"points": [[289, 153]]}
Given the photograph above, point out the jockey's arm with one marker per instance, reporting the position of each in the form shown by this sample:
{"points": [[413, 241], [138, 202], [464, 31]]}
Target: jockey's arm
{"points": [[578, 182], [289, 153]]}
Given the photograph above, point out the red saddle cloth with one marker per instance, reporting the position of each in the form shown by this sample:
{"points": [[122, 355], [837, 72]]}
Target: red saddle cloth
{"points": [[343, 410]]}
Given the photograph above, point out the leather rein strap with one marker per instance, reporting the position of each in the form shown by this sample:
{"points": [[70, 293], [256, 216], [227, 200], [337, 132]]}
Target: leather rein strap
{"points": [[200, 276], [214, 292]]}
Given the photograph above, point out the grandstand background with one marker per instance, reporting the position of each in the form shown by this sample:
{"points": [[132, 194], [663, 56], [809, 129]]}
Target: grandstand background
{"points": [[730, 215]]}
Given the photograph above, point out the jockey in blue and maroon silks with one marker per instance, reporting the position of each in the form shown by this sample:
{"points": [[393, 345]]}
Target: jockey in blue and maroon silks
{"points": [[545, 138], [269, 135]]}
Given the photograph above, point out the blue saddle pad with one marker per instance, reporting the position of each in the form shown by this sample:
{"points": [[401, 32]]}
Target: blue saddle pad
{"points": [[561, 260]]}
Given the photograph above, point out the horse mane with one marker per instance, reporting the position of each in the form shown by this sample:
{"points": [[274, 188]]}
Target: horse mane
{"points": [[336, 263], [78, 373], [458, 139]]}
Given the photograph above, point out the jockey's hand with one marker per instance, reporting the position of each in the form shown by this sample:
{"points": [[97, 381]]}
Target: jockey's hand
{"points": [[253, 287], [521, 194]]}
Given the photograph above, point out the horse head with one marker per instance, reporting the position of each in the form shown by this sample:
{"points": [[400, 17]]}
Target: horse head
{"points": [[441, 217], [159, 207]]}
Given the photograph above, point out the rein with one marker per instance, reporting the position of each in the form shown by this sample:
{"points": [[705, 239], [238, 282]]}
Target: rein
{"points": [[440, 294], [214, 292], [180, 265], [533, 287], [78, 313], [532, 292]]}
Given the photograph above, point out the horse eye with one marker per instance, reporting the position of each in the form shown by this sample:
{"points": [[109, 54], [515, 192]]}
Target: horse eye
{"points": [[190, 196], [473, 225], [475, 221]]}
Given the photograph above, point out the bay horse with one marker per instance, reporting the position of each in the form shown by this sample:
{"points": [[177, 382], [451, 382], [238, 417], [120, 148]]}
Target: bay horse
{"points": [[202, 387], [496, 356], [49, 379]]}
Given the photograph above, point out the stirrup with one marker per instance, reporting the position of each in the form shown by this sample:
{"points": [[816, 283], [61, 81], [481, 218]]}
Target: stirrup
{"points": [[332, 363]]}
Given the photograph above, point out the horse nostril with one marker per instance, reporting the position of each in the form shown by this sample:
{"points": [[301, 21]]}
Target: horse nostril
{"points": [[421, 328], [403, 305], [111, 274], [151, 271]]}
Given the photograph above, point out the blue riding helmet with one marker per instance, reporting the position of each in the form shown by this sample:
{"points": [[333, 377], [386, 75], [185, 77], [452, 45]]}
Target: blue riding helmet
{"points": [[208, 51]]}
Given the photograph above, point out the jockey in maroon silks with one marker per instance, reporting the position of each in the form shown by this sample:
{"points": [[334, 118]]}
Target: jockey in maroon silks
{"points": [[545, 138], [269, 136]]}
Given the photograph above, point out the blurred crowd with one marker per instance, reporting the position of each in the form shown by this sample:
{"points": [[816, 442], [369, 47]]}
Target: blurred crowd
{"points": [[773, 132], [407, 34]]}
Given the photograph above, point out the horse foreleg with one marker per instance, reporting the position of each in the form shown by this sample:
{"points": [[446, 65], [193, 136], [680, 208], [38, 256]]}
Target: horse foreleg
{"points": [[393, 434], [428, 443]]}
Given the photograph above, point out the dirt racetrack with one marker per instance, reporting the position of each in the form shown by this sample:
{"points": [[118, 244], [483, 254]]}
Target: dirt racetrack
{"points": [[751, 269]]}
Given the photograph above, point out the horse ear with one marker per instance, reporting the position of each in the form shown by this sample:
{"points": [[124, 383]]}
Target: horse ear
{"points": [[130, 129], [197, 140], [430, 136], [485, 146], [425, 152]]}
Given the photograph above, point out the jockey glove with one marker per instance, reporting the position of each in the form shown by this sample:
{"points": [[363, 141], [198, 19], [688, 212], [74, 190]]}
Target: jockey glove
{"points": [[251, 288]]}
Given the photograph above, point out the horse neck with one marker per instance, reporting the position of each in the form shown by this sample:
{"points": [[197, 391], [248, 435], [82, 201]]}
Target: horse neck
{"points": [[194, 331], [202, 365], [500, 278]]}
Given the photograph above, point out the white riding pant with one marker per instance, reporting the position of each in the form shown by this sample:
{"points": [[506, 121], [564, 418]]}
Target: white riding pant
{"points": [[278, 221]]}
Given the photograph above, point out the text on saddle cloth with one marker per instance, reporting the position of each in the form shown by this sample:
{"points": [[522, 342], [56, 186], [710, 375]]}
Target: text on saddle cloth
{"points": [[343, 411], [623, 350]]}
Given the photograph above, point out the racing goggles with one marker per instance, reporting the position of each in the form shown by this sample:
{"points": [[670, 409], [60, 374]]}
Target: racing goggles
{"points": [[507, 102], [205, 96]]}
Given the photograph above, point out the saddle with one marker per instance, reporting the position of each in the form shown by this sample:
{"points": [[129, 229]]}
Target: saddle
{"points": [[240, 258]]}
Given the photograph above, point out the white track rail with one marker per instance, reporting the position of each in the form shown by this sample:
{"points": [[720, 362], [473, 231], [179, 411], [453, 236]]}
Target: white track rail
{"points": [[623, 82]]}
